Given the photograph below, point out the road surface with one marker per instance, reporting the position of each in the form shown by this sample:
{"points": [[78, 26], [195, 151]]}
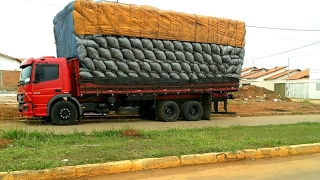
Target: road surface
{"points": [[303, 167], [99, 124]]}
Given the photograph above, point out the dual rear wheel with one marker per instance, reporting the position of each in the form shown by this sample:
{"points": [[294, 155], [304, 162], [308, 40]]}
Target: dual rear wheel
{"points": [[169, 111], [191, 111]]}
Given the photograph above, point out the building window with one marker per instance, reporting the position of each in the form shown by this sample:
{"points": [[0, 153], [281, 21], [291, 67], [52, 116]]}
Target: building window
{"points": [[317, 86]]}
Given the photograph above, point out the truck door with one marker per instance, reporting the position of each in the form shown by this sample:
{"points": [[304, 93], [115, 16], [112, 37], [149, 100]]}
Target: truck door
{"points": [[47, 83]]}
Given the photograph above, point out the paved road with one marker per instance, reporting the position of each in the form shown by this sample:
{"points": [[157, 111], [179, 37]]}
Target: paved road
{"points": [[88, 126], [286, 168]]}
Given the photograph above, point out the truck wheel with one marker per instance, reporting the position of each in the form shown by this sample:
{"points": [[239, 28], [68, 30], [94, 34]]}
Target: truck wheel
{"points": [[167, 111], [63, 113], [191, 111]]}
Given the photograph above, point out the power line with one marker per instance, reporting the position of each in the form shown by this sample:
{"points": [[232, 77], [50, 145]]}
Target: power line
{"points": [[48, 4], [283, 29], [284, 51]]}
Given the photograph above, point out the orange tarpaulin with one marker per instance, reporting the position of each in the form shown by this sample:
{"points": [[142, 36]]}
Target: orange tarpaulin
{"points": [[110, 18]]}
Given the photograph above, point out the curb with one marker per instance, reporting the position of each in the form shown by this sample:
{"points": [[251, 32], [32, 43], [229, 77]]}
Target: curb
{"points": [[68, 172], [264, 114]]}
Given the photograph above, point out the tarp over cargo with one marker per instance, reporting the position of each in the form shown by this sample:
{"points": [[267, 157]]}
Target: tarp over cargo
{"points": [[83, 17]]}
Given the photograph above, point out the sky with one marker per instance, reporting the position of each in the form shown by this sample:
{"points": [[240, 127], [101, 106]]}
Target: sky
{"points": [[278, 33]]}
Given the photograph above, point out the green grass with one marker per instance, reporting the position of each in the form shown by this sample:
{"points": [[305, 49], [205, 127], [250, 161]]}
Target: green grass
{"points": [[32, 150]]}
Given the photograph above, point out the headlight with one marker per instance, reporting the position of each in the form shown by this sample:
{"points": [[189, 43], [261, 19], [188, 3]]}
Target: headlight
{"points": [[20, 98]]}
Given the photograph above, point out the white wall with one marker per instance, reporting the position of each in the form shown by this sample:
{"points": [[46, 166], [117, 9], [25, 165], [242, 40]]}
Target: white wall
{"points": [[266, 84], [313, 93], [304, 89], [299, 90], [9, 64]]}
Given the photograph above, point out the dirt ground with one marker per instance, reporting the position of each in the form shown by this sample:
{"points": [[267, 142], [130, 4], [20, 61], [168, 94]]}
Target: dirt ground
{"points": [[255, 101], [248, 101]]}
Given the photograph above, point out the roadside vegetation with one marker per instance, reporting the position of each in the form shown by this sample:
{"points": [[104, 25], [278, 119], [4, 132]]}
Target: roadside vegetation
{"points": [[33, 150]]}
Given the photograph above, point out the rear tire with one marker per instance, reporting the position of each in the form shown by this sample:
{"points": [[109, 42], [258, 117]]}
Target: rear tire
{"points": [[63, 113], [191, 111], [167, 111]]}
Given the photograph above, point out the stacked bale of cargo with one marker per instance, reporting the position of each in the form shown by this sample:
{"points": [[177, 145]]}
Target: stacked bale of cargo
{"points": [[111, 56], [115, 40]]}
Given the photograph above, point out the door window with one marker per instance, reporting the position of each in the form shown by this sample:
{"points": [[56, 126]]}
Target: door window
{"points": [[46, 72]]}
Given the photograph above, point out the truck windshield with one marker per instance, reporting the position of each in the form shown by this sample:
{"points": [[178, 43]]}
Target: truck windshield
{"points": [[25, 75]]}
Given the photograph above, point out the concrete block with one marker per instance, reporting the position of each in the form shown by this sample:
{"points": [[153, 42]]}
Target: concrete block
{"points": [[265, 152], [155, 163], [193, 159], [280, 151], [251, 153], [230, 156]]}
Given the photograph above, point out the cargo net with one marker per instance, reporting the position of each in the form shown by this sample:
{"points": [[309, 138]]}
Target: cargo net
{"points": [[129, 60]]}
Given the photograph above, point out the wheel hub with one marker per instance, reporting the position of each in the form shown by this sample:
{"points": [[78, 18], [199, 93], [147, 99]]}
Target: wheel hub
{"points": [[168, 112], [193, 111], [64, 113]]}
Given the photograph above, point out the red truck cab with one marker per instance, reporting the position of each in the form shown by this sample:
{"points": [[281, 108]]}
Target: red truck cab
{"points": [[41, 83]]}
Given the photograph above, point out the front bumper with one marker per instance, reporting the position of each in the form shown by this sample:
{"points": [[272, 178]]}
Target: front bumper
{"points": [[25, 110]]}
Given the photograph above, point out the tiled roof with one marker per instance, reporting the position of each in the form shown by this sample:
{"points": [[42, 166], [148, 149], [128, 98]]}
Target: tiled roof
{"points": [[255, 70], [263, 72], [248, 68], [21, 59], [300, 75], [284, 73], [17, 59]]}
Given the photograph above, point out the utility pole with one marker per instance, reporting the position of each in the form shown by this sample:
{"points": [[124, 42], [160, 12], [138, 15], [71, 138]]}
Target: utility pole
{"points": [[287, 84], [252, 71]]}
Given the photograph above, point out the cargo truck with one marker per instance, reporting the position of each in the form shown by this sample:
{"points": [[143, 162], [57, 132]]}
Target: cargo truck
{"points": [[129, 59]]}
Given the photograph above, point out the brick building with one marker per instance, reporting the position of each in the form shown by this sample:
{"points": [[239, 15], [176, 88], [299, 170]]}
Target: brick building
{"points": [[9, 72], [9, 80]]}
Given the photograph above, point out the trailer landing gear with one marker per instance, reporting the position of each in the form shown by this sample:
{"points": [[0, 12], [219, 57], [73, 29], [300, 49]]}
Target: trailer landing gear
{"points": [[225, 107]]}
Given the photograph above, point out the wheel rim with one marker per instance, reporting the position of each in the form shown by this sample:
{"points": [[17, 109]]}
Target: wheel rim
{"points": [[193, 111], [168, 111], [64, 113]]}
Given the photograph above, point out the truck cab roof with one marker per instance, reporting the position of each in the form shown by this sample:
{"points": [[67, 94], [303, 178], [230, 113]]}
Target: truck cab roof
{"points": [[30, 60]]}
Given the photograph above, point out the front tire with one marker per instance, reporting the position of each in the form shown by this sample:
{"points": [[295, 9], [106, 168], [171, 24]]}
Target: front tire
{"points": [[63, 113]]}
